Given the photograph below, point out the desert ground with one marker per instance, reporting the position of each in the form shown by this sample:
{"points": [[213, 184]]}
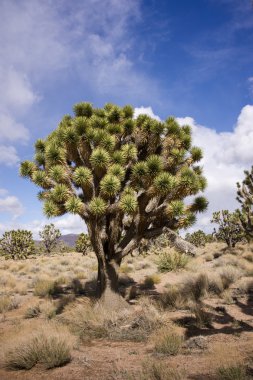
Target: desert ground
{"points": [[186, 319]]}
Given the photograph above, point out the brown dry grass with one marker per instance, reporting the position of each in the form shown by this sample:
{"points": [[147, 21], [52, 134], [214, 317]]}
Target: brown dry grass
{"points": [[216, 278]]}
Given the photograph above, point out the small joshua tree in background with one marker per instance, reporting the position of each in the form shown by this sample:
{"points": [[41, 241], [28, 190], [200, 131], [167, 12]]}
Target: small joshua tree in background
{"points": [[197, 238], [50, 236], [245, 197], [17, 244], [126, 178], [230, 230], [83, 244]]}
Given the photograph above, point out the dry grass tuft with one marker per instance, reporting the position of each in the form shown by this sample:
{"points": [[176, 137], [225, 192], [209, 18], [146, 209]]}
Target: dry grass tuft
{"points": [[151, 370], [45, 287], [50, 347], [151, 280], [235, 372], [93, 321], [8, 303], [168, 341], [229, 275]]}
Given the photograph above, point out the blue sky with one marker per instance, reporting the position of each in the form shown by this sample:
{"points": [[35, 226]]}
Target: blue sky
{"points": [[191, 59]]}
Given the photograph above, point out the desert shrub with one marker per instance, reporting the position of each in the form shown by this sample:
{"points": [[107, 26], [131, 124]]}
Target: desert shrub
{"points": [[32, 312], [90, 322], [151, 280], [7, 303], [45, 287], [203, 318], [17, 244], [198, 238], [124, 268], [229, 275], [157, 370], [50, 349], [233, 372], [172, 297], [195, 288], [151, 370], [83, 244], [49, 310], [215, 284], [167, 342], [171, 261]]}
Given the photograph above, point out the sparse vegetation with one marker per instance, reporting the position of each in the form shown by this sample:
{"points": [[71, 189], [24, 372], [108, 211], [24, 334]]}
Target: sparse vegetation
{"points": [[173, 260]]}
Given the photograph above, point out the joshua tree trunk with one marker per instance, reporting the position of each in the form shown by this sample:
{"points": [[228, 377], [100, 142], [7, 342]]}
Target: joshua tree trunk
{"points": [[107, 278]]}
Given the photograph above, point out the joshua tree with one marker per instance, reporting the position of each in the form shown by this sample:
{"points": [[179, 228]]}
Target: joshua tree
{"points": [[230, 230], [50, 236], [83, 244], [17, 244], [245, 197], [127, 179], [198, 238]]}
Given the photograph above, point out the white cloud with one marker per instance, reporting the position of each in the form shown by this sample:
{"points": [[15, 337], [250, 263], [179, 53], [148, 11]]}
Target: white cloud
{"points": [[10, 204], [146, 111], [3, 192], [8, 155], [226, 156], [69, 224], [11, 130]]}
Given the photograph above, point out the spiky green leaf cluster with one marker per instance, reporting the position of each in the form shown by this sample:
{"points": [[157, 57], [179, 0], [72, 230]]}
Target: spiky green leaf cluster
{"points": [[17, 244]]}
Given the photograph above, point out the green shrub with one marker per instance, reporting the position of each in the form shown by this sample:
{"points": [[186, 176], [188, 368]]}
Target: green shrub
{"points": [[168, 262], [198, 238], [151, 280], [17, 244], [83, 244]]}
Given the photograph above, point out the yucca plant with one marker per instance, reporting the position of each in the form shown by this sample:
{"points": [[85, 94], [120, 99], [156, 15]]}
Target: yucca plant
{"points": [[126, 178], [17, 244], [230, 230], [50, 235], [83, 244], [198, 238]]}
